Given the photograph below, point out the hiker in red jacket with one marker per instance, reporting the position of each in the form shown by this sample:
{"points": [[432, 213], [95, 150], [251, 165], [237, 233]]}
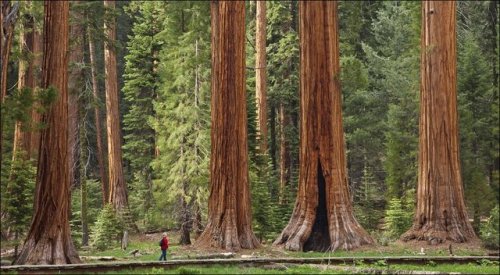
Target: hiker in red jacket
{"points": [[164, 247]]}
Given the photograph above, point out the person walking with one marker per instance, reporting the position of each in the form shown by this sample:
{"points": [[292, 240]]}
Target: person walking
{"points": [[164, 247]]}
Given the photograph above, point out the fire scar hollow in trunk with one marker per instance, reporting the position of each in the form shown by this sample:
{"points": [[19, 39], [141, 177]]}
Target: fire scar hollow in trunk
{"points": [[323, 216]]}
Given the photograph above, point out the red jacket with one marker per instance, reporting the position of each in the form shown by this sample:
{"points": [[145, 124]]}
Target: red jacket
{"points": [[164, 243]]}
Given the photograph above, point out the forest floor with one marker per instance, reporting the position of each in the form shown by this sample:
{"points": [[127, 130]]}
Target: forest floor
{"points": [[148, 250]]}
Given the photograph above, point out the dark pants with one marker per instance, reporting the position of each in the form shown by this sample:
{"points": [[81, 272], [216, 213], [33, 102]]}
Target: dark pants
{"points": [[163, 255]]}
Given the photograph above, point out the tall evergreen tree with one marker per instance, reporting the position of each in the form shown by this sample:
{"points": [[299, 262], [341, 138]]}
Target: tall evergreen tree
{"points": [[48, 240], [229, 214], [440, 214], [323, 217], [140, 89], [182, 117]]}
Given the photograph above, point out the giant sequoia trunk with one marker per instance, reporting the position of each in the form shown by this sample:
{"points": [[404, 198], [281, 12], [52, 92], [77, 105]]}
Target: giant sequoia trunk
{"points": [[49, 239], [323, 216], [260, 76], [440, 213], [117, 187], [229, 215]]}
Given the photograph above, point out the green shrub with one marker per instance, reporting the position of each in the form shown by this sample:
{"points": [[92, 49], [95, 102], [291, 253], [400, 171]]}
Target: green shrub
{"points": [[489, 231], [107, 228], [397, 220]]}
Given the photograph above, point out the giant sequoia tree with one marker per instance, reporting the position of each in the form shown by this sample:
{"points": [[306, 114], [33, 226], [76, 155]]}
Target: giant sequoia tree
{"points": [[117, 187], [229, 216], [323, 216], [440, 213], [49, 239]]}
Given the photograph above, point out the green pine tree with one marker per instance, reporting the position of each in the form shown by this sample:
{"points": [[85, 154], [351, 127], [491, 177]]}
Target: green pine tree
{"points": [[182, 121]]}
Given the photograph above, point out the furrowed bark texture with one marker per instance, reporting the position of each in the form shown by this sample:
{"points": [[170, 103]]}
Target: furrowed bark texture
{"points": [[49, 239], [117, 187], [229, 222], [441, 214], [260, 76], [323, 216], [97, 116]]}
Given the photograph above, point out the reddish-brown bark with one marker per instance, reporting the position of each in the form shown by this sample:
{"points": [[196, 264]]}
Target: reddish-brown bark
{"points": [[323, 216], [260, 76], [117, 186], [8, 18], [229, 214], [35, 116], [441, 214], [49, 238], [97, 117]]}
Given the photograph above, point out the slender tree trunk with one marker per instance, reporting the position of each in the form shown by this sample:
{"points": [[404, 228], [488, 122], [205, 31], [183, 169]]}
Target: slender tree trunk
{"points": [[75, 87], [7, 23], [97, 115], [35, 116], [323, 216], [260, 76], [229, 214], [440, 214], [49, 239], [284, 154], [83, 179], [117, 186], [272, 128], [8, 20], [197, 224]]}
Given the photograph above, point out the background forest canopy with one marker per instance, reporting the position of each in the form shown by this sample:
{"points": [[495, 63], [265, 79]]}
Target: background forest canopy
{"points": [[164, 71]]}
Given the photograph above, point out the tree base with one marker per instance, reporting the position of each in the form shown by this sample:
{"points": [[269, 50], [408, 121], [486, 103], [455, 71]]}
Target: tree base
{"points": [[227, 239], [47, 252], [434, 236]]}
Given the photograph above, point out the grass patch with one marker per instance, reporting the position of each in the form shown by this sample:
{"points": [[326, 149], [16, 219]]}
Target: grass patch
{"points": [[491, 268], [220, 269]]}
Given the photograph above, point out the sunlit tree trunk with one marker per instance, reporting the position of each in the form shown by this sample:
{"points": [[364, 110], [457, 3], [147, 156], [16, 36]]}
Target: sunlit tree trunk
{"points": [[49, 239], [229, 214], [7, 22], [323, 216], [260, 76], [97, 117], [117, 187], [441, 214]]}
